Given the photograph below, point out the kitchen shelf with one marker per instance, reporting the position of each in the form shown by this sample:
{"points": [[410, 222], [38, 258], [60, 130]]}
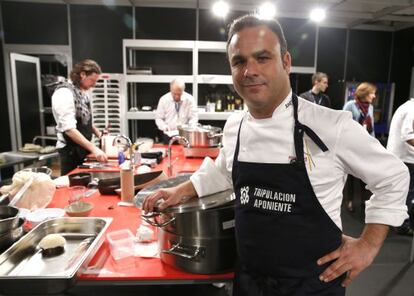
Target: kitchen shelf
{"points": [[131, 56], [150, 115], [157, 78]]}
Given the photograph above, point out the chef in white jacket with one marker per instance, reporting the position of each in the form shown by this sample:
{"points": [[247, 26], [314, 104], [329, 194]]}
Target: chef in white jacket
{"points": [[175, 108], [287, 161]]}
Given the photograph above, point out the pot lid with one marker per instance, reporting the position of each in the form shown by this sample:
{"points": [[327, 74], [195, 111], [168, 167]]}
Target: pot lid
{"points": [[199, 128], [189, 204], [214, 200]]}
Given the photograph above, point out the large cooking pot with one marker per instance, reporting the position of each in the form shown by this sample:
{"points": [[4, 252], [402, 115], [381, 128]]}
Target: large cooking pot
{"points": [[201, 135], [9, 218], [197, 235], [12, 235]]}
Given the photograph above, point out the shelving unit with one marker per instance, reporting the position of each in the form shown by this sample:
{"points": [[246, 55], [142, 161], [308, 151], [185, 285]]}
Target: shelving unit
{"points": [[108, 98], [195, 78]]}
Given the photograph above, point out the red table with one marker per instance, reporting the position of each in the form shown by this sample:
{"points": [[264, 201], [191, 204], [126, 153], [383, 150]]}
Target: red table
{"points": [[134, 270]]}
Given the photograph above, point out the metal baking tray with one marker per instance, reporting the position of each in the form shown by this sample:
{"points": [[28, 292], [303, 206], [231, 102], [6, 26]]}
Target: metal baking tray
{"points": [[22, 266]]}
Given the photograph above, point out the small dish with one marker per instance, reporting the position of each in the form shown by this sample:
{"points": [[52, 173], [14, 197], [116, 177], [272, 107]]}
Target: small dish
{"points": [[80, 179], [79, 209]]}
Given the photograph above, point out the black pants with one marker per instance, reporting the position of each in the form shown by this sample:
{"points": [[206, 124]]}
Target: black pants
{"points": [[70, 158], [410, 195]]}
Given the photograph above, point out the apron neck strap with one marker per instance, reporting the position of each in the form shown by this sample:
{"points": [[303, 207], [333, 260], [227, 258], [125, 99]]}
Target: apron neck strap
{"points": [[299, 130]]}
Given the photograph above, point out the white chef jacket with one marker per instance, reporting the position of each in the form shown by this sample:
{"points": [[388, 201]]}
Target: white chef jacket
{"points": [[351, 151], [166, 116], [63, 108], [402, 130]]}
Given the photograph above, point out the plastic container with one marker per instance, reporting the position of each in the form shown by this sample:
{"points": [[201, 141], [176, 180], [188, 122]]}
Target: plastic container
{"points": [[121, 243]]}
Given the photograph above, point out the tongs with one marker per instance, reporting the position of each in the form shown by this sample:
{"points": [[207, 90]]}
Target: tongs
{"points": [[21, 191]]}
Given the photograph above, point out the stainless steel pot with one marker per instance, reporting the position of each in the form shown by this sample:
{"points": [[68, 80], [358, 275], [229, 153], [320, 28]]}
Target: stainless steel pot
{"points": [[198, 235], [201, 135], [198, 255], [8, 218], [12, 235]]}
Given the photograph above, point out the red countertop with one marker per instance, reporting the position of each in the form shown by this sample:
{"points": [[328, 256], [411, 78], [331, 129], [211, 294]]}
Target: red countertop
{"points": [[134, 268]]}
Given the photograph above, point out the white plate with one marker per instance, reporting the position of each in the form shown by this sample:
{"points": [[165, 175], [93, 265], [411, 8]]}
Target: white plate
{"points": [[40, 215]]}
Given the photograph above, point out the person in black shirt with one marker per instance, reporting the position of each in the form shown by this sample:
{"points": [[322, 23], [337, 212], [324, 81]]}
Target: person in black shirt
{"points": [[316, 94]]}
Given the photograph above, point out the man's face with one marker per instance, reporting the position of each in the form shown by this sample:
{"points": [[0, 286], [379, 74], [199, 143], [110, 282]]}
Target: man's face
{"points": [[323, 84], [176, 92], [259, 74], [88, 81]]}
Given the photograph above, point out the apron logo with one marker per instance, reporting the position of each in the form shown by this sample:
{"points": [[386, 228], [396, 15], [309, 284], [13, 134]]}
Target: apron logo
{"points": [[244, 195]]}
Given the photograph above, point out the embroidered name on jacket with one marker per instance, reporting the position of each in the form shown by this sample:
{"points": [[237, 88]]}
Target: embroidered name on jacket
{"points": [[267, 199]]}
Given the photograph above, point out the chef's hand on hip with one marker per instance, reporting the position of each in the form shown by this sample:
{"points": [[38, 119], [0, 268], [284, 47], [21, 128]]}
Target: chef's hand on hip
{"points": [[163, 198], [352, 257], [100, 155]]}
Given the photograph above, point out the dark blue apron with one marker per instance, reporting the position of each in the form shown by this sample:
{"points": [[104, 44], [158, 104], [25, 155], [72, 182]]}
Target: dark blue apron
{"points": [[281, 228]]}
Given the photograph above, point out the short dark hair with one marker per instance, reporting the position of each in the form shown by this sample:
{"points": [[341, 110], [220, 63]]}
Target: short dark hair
{"points": [[318, 76], [252, 20], [87, 66]]}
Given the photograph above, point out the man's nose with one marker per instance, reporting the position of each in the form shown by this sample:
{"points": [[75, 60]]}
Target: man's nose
{"points": [[251, 69]]}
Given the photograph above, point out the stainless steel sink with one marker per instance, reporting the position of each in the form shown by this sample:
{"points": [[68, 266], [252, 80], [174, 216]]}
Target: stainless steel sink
{"points": [[13, 157]]}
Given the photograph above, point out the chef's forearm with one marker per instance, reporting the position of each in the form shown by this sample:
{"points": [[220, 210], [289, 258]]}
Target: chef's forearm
{"points": [[79, 139], [187, 189], [410, 142], [374, 235]]}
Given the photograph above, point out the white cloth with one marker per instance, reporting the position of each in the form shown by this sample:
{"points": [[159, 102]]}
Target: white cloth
{"points": [[402, 130], [63, 108], [166, 116], [351, 151]]}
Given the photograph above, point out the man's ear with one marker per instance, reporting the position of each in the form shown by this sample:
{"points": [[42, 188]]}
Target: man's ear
{"points": [[287, 62]]}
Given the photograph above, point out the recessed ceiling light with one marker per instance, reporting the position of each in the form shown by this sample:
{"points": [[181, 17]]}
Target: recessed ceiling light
{"points": [[317, 14], [220, 8], [267, 11]]}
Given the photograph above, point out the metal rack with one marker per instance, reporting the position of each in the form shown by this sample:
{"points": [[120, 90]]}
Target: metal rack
{"points": [[108, 97]]}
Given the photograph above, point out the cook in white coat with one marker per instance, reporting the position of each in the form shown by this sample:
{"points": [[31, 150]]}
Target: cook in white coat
{"points": [[401, 143], [260, 66], [175, 108]]}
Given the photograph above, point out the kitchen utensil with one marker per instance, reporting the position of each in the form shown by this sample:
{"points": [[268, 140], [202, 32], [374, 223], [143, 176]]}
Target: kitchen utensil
{"points": [[201, 135]]}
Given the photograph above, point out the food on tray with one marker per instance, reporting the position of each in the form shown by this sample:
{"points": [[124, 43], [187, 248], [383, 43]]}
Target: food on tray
{"points": [[29, 147], [52, 245], [47, 149]]}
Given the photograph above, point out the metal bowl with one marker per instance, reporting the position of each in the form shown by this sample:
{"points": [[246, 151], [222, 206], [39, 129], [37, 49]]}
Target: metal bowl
{"points": [[12, 235], [42, 169], [9, 218], [79, 209]]}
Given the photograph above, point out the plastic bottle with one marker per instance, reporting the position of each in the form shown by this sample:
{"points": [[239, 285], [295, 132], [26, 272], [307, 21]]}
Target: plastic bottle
{"points": [[121, 156], [127, 182]]}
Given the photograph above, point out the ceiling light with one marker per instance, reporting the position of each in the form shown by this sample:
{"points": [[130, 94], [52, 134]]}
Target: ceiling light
{"points": [[317, 15], [220, 8], [267, 11]]}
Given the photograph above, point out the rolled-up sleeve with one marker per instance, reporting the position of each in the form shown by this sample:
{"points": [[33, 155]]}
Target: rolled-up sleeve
{"points": [[386, 176], [407, 128], [63, 108], [212, 176]]}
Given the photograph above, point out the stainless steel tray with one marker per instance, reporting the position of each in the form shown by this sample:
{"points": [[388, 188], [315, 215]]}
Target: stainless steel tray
{"points": [[22, 266]]}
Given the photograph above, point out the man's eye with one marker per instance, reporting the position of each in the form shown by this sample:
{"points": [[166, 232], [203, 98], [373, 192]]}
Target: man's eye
{"points": [[236, 63], [263, 58]]}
